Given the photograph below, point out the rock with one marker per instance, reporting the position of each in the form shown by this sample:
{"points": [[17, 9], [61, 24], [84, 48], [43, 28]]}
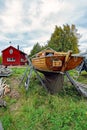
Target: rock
{"points": [[1, 92], [2, 103]]}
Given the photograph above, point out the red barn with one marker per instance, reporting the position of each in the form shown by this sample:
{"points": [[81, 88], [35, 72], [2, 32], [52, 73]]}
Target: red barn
{"points": [[13, 56]]}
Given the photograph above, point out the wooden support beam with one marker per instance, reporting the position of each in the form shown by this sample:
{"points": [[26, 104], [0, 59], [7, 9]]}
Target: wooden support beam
{"points": [[81, 88], [28, 79], [38, 76], [30, 68], [67, 58], [1, 127]]}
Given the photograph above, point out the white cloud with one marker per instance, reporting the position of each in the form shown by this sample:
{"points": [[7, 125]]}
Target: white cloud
{"points": [[11, 16], [50, 7], [38, 18], [83, 39]]}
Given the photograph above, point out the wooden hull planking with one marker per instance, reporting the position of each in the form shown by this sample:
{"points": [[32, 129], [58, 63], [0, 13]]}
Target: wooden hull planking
{"points": [[55, 63]]}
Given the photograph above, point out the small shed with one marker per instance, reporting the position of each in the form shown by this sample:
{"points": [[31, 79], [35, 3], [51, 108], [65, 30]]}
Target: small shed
{"points": [[13, 56]]}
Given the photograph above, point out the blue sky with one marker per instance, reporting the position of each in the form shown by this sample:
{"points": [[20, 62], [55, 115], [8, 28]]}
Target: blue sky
{"points": [[26, 22]]}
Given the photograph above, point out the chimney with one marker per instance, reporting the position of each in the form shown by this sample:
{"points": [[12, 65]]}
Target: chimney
{"points": [[18, 47]]}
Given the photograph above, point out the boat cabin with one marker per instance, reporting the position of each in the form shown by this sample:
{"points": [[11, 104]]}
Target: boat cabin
{"points": [[46, 53]]}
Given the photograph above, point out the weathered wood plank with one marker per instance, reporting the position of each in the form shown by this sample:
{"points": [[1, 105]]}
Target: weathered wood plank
{"points": [[1, 127], [81, 88]]}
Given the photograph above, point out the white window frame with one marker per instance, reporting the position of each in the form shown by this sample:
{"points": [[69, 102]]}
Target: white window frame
{"points": [[22, 60], [11, 59]]}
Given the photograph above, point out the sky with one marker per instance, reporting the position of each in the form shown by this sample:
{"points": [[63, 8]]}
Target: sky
{"points": [[26, 22]]}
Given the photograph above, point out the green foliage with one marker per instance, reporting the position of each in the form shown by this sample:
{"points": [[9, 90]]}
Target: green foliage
{"points": [[6, 120], [38, 110], [36, 49], [64, 38], [0, 59]]}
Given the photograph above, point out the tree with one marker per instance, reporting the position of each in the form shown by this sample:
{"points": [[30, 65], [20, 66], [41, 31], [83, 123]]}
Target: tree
{"points": [[36, 49], [0, 59], [64, 38]]}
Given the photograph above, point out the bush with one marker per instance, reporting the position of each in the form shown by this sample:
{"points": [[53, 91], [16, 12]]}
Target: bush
{"points": [[0, 59]]}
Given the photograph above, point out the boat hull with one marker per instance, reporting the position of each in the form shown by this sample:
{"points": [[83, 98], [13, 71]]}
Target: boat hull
{"points": [[56, 63]]}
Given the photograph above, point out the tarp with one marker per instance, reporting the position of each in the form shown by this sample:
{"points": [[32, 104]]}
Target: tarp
{"points": [[54, 82]]}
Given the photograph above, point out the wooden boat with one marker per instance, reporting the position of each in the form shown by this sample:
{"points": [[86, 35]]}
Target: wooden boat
{"points": [[49, 60]]}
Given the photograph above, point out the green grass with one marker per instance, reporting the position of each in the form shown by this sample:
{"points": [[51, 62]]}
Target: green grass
{"points": [[39, 110]]}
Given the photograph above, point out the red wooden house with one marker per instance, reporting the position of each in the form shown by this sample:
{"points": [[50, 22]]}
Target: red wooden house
{"points": [[13, 56]]}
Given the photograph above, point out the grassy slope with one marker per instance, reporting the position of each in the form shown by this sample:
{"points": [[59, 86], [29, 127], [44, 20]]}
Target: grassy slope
{"points": [[38, 110]]}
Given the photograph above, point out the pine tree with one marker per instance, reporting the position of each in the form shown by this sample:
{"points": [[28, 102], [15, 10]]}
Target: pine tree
{"points": [[36, 49]]}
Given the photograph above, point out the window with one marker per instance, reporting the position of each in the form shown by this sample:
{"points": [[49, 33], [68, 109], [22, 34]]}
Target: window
{"points": [[11, 59], [49, 54], [22, 60], [11, 51]]}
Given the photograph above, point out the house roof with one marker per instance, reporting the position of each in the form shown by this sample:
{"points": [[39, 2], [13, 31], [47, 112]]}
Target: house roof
{"points": [[13, 48]]}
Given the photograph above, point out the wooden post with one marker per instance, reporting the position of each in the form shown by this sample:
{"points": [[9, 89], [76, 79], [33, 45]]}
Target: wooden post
{"points": [[1, 127]]}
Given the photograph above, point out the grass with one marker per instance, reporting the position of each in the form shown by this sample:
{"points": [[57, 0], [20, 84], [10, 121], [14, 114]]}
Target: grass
{"points": [[38, 110]]}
